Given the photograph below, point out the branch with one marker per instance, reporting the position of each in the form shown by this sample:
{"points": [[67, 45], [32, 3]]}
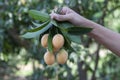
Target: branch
{"points": [[96, 62], [100, 21], [82, 72], [112, 10]]}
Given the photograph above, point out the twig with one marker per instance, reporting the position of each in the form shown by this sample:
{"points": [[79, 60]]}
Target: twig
{"points": [[82, 71], [96, 62], [100, 21]]}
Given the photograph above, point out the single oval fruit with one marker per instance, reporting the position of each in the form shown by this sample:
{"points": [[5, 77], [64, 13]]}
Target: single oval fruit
{"points": [[44, 40], [58, 41], [49, 58], [62, 56]]}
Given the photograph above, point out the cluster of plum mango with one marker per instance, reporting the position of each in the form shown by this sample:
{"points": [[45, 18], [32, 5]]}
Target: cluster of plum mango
{"points": [[59, 54]]}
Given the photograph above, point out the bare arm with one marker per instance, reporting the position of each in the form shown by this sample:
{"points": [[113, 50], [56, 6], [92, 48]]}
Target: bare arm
{"points": [[104, 36]]}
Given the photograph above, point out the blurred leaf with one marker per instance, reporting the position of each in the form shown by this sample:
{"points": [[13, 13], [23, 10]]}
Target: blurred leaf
{"points": [[36, 24], [72, 3], [67, 44], [37, 15], [37, 33], [75, 38], [65, 24], [54, 22], [78, 30], [40, 27], [30, 34]]}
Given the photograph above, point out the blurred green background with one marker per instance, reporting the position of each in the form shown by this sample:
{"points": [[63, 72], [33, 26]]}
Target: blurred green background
{"points": [[22, 59]]}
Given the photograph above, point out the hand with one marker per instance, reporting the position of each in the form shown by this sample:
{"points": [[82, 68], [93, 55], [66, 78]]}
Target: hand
{"points": [[108, 38], [68, 14]]}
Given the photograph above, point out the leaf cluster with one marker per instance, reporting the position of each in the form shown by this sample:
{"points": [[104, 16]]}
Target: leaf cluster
{"points": [[70, 32]]}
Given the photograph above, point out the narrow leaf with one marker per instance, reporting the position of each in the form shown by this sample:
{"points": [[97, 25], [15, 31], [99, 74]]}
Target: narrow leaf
{"points": [[67, 44], [36, 24], [37, 33], [54, 22], [37, 15], [65, 24], [31, 34], [39, 28], [78, 30], [75, 38], [50, 46]]}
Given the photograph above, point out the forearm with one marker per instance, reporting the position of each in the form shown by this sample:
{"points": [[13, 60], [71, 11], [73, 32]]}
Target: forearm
{"points": [[108, 38]]}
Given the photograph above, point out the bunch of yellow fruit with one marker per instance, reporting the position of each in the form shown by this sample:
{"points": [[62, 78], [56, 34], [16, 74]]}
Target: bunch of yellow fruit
{"points": [[60, 54], [60, 36]]}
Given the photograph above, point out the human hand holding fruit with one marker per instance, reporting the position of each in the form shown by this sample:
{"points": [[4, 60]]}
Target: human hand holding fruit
{"points": [[55, 36], [67, 14]]}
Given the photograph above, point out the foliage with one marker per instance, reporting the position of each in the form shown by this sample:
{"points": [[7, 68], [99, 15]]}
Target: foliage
{"points": [[53, 27], [91, 61]]}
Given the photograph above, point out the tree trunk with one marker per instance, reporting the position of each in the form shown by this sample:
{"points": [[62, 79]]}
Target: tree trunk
{"points": [[82, 71]]}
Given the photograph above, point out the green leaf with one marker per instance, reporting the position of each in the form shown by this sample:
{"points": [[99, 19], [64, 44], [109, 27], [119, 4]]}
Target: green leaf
{"points": [[54, 22], [36, 24], [40, 27], [50, 46], [75, 38], [67, 44], [31, 34], [37, 15], [37, 33], [78, 30], [65, 24]]}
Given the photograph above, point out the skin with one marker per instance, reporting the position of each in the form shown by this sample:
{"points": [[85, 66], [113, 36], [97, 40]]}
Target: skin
{"points": [[104, 36]]}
